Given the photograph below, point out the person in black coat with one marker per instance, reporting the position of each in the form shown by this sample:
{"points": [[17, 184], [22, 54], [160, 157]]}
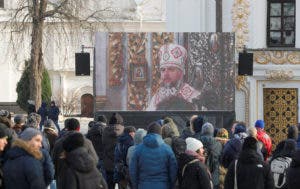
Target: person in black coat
{"points": [[192, 172], [251, 170], [81, 171], [23, 168], [53, 114], [293, 172]]}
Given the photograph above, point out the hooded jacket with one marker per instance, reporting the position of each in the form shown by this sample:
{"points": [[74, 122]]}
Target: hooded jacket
{"points": [[251, 172], [232, 149], [95, 136], [153, 164], [195, 176], [58, 161], [23, 169], [81, 171]]}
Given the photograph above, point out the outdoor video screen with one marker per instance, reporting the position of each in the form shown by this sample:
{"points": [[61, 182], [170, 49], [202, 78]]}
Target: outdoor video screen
{"points": [[164, 71]]}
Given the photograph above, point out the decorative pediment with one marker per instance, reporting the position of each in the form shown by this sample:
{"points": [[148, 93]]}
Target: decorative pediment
{"points": [[279, 74], [277, 57]]}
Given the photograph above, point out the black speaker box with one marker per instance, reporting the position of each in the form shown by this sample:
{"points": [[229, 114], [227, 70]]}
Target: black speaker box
{"points": [[82, 64], [245, 64]]}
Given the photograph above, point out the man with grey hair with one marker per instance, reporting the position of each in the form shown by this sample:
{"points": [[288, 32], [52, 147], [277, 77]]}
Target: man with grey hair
{"points": [[173, 58]]}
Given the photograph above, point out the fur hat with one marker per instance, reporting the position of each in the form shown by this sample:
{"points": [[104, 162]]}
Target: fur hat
{"points": [[172, 55], [197, 124], [250, 143], [29, 133], [207, 129], [193, 144], [260, 124], [116, 118], [240, 128], [154, 127], [73, 141]]}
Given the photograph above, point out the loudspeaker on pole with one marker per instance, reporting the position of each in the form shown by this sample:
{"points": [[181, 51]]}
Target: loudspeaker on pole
{"points": [[245, 65], [82, 64]]}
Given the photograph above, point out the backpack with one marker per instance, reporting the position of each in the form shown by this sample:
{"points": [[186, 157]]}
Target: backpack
{"points": [[279, 168]]}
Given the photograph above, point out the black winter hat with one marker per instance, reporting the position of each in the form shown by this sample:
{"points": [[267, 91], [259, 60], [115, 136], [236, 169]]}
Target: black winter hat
{"points": [[73, 142], [198, 123], [116, 119], [250, 143], [154, 127]]}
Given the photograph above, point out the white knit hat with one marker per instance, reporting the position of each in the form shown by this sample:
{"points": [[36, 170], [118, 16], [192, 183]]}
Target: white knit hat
{"points": [[193, 144], [172, 55]]}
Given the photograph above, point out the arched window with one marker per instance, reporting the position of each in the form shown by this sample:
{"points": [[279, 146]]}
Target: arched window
{"points": [[281, 23]]}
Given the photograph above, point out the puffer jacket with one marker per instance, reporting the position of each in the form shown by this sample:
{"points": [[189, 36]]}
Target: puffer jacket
{"points": [[153, 164], [294, 172]]}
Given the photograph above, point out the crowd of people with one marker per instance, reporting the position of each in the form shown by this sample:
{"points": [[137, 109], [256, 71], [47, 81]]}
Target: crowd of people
{"points": [[111, 155]]}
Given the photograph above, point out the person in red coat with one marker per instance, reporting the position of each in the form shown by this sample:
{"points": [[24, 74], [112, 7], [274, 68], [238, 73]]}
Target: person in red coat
{"points": [[263, 137]]}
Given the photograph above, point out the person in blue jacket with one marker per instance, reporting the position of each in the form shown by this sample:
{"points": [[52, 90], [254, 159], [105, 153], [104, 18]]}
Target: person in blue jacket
{"points": [[153, 164]]}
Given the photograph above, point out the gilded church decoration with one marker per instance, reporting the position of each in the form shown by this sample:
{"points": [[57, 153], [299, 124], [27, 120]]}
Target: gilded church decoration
{"points": [[240, 14], [277, 57], [158, 39], [280, 111], [137, 88], [115, 61], [279, 74]]}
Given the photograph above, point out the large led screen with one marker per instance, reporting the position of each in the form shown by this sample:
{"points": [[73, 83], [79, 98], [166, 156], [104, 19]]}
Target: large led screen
{"points": [[164, 71]]}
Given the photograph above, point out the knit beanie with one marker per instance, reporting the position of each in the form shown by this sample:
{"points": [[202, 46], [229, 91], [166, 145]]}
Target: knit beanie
{"points": [[239, 128], [260, 124], [139, 135], [116, 118], [207, 129], [154, 127], [29, 133], [73, 142], [193, 144], [250, 143]]}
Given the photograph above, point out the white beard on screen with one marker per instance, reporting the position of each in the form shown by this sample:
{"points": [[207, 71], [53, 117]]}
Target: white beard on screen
{"points": [[168, 90]]}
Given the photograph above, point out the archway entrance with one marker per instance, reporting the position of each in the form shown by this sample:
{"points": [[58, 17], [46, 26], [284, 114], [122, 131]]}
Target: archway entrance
{"points": [[87, 105]]}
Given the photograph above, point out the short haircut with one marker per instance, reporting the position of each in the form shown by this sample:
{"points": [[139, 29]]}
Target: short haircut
{"points": [[72, 124]]}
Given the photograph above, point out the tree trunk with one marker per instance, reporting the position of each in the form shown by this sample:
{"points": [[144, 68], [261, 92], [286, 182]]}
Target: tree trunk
{"points": [[36, 63]]}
